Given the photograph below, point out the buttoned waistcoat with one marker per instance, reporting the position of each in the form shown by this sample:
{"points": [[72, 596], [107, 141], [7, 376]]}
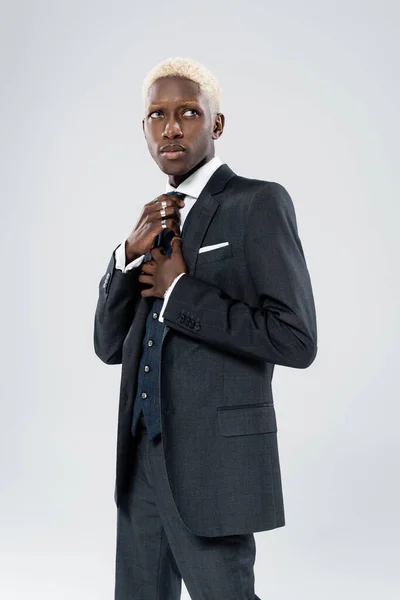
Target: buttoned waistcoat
{"points": [[147, 399]]}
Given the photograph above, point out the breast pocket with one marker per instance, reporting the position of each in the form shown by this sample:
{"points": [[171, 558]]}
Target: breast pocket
{"points": [[210, 253]]}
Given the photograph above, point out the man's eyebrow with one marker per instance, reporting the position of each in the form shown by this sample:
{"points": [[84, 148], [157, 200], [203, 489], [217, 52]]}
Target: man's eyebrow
{"points": [[189, 103]]}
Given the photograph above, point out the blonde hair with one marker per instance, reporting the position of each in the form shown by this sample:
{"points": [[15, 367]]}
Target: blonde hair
{"points": [[191, 69]]}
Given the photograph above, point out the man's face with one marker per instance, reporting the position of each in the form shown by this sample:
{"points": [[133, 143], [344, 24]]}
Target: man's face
{"points": [[177, 113]]}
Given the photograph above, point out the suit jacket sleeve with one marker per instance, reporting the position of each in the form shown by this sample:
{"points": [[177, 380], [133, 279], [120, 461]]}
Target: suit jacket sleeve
{"points": [[118, 294], [282, 329]]}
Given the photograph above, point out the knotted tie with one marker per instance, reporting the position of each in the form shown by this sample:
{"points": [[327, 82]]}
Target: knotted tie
{"points": [[166, 235]]}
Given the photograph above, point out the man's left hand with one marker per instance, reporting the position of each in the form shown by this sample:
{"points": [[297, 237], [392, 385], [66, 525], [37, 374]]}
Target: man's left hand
{"points": [[161, 271]]}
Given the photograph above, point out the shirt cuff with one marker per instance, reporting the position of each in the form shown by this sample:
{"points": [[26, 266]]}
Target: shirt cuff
{"points": [[120, 259], [166, 296]]}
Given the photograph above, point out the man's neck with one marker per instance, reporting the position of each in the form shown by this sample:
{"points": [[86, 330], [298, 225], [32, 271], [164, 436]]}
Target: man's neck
{"points": [[175, 180]]}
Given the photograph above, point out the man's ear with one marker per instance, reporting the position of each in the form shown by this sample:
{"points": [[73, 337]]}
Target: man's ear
{"points": [[218, 126]]}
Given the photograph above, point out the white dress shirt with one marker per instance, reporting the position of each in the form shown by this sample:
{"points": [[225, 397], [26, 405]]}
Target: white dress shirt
{"points": [[192, 187]]}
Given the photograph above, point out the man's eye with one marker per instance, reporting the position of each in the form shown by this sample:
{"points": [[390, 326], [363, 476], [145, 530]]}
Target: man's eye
{"points": [[188, 109]]}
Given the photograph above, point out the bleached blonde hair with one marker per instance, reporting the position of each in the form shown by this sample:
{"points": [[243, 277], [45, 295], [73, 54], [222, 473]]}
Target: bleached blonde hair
{"points": [[191, 69]]}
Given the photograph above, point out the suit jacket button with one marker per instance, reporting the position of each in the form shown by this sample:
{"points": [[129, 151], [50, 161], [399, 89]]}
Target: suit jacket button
{"points": [[181, 318], [196, 326], [187, 320], [191, 323]]}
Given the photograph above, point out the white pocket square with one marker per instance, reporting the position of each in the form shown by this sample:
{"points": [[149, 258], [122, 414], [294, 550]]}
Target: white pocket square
{"points": [[213, 247]]}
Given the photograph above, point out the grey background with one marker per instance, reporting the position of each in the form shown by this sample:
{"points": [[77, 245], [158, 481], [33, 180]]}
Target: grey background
{"points": [[311, 99]]}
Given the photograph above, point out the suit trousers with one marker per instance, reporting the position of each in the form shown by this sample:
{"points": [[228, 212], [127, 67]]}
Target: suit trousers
{"points": [[155, 550]]}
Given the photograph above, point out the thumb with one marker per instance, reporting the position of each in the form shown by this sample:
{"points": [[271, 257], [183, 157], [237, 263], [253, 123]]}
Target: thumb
{"points": [[176, 244]]}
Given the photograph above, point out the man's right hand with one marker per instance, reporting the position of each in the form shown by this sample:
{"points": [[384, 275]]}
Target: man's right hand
{"points": [[148, 227]]}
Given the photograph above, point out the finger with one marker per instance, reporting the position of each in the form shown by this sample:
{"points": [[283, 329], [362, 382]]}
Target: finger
{"points": [[156, 252], [169, 198], [172, 224], [148, 292], [146, 279], [170, 210], [172, 215], [176, 244], [172, 220], [174, 197], [148, 267], [172, 202]]}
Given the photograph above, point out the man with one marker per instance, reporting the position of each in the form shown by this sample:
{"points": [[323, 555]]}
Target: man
{"points": [[198, 325]]}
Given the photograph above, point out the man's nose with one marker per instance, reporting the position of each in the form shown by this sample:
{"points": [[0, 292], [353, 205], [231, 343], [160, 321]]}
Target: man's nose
{"points": [[172, 129]]}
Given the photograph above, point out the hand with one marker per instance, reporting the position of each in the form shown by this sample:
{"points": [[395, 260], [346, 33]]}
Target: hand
{"points": [[146, 230], [161, 271]]}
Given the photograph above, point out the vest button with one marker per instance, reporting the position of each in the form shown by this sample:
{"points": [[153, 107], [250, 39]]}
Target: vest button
{"points": [[144, 395], [150, 343], [147, 368], [155, 315]]}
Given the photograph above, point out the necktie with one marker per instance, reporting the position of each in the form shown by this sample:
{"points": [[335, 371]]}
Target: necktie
{"points": [[167, 234]]}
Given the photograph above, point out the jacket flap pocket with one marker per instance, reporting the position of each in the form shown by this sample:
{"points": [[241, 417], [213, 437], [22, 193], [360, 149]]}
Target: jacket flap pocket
{"points": [[244, 420]]}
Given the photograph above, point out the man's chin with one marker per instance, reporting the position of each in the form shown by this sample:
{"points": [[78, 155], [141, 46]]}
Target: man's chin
{"points": [[173, 167]]}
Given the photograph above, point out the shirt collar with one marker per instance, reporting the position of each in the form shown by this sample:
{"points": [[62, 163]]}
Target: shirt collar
{"points": [[194, 184]]}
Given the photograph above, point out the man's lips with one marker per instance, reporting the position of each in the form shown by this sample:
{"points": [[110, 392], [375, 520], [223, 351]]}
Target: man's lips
{"points": [[173, 154], [171, 147]]}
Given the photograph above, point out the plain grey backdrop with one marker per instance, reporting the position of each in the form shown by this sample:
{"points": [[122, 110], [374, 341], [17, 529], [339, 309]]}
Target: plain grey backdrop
{"points": [[310, 92]]}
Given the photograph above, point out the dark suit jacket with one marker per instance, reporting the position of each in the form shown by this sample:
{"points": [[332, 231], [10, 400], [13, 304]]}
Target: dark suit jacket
{"points": [[241, 309]]}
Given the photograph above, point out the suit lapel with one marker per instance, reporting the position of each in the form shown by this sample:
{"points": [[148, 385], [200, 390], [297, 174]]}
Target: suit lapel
{"points": [[199, 218], [201, 214], [197, 221]]}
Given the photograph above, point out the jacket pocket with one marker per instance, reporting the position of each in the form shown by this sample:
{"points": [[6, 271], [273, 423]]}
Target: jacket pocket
{"points": [[215, 254], [245, 419]]}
